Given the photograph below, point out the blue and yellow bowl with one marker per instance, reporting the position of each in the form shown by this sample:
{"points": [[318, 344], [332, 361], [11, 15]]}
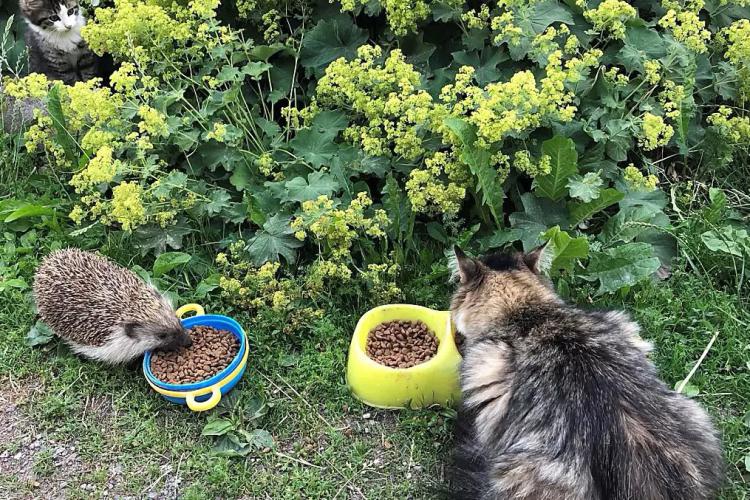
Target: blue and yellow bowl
{"points": [[202, 396]]}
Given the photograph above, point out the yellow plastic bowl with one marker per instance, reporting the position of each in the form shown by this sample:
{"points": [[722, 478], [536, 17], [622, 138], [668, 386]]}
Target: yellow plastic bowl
{"points": [[434, 382]]}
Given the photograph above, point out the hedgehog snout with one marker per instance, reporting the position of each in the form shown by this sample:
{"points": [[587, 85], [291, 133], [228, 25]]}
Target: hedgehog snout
{"points": [[185, 339]]}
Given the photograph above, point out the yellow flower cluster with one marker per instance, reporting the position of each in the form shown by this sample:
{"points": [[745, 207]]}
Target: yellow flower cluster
{"points": [[252, 287], [33, 86], [403, 15], [505, 30], [380, 279], [523, 162], [429, 194], [671, 99], [101, 169], [152, 122], [610, 17], [138, 30], [686, 25], [639, 182], [384, 98], [736, 129], [655, 132], [521, 104], [652, 70], [737, 37], [218, 132], [334, 228], [127, 205], [477, 19]]}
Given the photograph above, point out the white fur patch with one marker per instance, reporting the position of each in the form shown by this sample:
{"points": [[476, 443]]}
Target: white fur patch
{"points": [[119, 348], [65, 33]]}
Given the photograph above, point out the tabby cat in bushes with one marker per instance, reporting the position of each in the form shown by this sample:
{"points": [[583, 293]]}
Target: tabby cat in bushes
{"points": [[560, 403], [53, 39]]}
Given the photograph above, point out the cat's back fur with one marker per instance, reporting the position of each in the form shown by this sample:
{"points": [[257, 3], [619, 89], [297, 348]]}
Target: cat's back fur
{"points": [[54, 43], [561, 403]]}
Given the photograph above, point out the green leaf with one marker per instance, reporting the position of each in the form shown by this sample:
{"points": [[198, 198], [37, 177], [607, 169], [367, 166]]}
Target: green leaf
{"points": [[564, 157], [217, 427], [207, 285], [620, 139], [485, 63], [488, 180], [478, 160], [689, 390], [157, 238], [173, 180], [585, 188], [241, 177], [259, 439], [549, 12], [274, 240], [582, 211], [747, 462], [314, 146], [168, 261], [17, 283], [562, 251], [317, 183], [538, 216], [330, 123], [621, 266], [229, 445], [62, 136], [329, 40], [219, 200], [727, 240], [39, 334], [499, 238], [29, 210]]}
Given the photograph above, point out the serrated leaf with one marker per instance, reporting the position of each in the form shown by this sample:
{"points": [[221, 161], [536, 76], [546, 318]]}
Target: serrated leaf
{"points": [[273, 241], [564, 157], [538, 216], [39, 334], [229, 445], [329, 40], [488, 180], [620, 139], [157, 238], [562, 251], [727, 240], [330, 123], [217, 427], [317, 183], [314, 146], [173, 180], [485, 63], [478, 160], [219, 200], [241, 177], [168, 261], [621, 266], [585, 188], [259, 439], [582, 211]]}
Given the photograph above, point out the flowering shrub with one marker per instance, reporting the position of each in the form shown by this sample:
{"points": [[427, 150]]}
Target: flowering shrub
{"points": [[357, 146]]}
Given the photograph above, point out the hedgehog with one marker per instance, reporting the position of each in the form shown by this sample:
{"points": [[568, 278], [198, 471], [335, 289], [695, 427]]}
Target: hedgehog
{"points": [[103, 311]]}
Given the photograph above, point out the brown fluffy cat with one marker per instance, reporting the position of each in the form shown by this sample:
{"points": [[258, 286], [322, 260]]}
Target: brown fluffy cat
{"points": [[559, 403]]}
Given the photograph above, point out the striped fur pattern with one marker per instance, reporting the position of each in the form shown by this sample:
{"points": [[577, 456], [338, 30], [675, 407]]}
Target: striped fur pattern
{"points": [[563, 404], [103, 311]]}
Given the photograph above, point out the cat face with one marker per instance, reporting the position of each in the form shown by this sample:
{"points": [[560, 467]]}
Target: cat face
{"points": [[494, 286], [53, 16]]}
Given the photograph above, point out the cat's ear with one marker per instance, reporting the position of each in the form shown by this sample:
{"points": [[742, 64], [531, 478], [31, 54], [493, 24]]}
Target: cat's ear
{"points": [[468, 269], [531, 259]]}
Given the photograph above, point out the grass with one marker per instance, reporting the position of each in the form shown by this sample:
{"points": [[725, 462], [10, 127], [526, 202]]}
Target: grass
{"points": [[129, 441]]}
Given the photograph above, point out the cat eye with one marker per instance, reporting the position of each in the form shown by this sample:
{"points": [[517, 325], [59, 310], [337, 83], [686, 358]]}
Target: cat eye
{"points": [[54, 18], [72, 11]]}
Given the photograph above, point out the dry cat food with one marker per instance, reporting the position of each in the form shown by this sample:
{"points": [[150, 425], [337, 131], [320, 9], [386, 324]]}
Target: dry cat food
{"points": [[212, 351], [401, 344]]}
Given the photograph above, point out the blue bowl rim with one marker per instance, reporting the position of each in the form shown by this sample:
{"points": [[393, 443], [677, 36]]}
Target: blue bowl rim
{"points": [[190, 322]]}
